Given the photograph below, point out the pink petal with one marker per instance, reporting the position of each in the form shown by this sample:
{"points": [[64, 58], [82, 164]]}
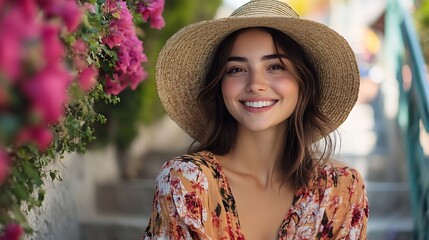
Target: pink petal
{"points": [[80, 63], [114, 86], [115, 38], [79, 46], [157, 22], [41, 136], [53, 49], [88, 78], [16, 27], [4, 166], [71, 14], [12, 232], [47, 92]]}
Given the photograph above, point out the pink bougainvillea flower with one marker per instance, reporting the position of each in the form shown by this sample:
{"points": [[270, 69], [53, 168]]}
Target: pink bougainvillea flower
{"points": [[28, 7], [121, 26], [152, 10], [71, 14], [16, 27], [88, 78], [114, 86], [20, 19], [128, 70], [137, 77], [47, 4], [4, 165], [39, 135], [68, 10], [47, 92], [79, 46], [53, 49], [12, 232], [79, 55], [157, 22], [110, 5], [128, 67], [10, 53], [79, 62], [89, 7], [125, 21], [115, 38]]}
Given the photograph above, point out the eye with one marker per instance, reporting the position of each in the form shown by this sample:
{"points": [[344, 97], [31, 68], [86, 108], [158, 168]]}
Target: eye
{"points": [[235, 70], [276, 67]]}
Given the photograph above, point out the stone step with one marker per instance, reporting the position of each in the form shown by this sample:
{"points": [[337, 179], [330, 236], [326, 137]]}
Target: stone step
{"points": [[113, 227], [378, 168], [388, 199], [152, 162], [390, 228], [132, 197]]}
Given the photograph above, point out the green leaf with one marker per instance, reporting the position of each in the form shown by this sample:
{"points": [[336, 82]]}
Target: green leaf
{"points": [[20, 192], [30, 171], [52, 175]]}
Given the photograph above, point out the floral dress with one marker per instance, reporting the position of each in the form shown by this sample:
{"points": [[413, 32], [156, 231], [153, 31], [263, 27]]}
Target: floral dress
{"points": [[194, 201]]}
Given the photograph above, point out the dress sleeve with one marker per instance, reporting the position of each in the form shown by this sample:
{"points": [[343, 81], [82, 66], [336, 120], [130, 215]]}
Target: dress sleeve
{"points": [[180, 200], [354, 225]]}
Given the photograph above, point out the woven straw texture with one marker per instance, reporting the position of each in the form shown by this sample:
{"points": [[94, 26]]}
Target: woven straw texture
{"points": [[185, 58]]}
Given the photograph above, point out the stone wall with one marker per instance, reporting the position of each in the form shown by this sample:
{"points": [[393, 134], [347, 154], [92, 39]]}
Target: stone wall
{"points": [[57, 218]]}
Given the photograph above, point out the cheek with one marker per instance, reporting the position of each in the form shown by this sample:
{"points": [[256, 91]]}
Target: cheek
{"points": [[288, 87], [230, 89]]}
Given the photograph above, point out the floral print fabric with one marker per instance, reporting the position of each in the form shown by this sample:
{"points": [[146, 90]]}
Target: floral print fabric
{"points": [[193, 201]]}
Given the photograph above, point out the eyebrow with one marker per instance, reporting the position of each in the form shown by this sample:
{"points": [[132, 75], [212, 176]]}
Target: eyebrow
{"points": [[266, 57]]}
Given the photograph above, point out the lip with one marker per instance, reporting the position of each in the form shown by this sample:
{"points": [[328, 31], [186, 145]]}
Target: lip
{"points": [[259, 109]]}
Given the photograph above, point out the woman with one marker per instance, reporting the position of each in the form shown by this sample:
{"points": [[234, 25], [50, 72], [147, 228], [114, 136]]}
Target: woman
{"points": [[257, 91]]}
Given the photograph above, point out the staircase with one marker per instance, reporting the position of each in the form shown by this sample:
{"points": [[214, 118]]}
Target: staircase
{"points": [[124, 207], [382, 163]]}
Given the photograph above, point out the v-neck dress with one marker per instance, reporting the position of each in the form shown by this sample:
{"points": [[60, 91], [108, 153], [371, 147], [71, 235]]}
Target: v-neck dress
{"points": [[194, 201]]}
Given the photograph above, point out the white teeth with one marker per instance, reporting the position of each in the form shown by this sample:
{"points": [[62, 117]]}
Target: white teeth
{"points": [[259, 104]]}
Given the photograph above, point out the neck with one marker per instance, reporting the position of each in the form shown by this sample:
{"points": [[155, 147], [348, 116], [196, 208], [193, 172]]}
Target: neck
{"points": [[258, 154]]}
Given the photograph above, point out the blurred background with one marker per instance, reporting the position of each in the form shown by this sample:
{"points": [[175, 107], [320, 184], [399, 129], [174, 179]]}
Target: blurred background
{"points": [[107, 192]]}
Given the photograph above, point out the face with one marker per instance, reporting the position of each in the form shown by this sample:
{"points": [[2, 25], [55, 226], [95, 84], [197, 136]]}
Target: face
{"points": [[257, 90]]}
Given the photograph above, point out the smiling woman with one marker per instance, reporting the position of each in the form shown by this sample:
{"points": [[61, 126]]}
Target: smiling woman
{"points": [[258, 88], [258, 91]]}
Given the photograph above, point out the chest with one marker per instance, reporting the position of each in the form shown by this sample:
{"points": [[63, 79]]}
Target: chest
{"points": [[261, 211]]}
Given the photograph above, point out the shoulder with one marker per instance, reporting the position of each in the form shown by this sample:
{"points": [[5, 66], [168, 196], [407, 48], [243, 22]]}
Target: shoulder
{"points": [[337, 179], [343, 196], [186, 171], [192, 162], [337, 174]]}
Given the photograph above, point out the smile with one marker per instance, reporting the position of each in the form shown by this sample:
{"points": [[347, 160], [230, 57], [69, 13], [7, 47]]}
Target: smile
{"points": [[258, 104]]}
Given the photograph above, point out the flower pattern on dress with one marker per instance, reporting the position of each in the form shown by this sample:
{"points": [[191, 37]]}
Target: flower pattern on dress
{"points": [[194, 201]]}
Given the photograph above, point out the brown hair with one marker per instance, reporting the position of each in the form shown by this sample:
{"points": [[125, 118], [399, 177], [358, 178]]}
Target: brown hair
{"points": [[305, 126]]}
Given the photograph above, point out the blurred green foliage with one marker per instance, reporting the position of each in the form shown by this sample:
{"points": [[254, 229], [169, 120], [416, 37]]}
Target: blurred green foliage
{"points": [[422, 21], [143, 106]]}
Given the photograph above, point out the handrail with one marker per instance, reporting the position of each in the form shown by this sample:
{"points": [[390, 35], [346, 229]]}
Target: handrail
{"points": [[421, 85], [404, 49]]}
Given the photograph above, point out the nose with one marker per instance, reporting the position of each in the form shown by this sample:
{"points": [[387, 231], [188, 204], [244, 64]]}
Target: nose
{"points": [[257, 82]]}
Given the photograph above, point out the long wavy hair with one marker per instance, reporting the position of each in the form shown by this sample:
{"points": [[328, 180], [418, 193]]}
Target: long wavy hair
{"points": [[307, 124]]}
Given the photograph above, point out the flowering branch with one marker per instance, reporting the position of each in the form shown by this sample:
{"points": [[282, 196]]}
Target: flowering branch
{"points": [[57, 58]]}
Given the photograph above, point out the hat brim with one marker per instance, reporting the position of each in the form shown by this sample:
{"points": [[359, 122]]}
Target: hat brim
{"points": [[184, 60]]}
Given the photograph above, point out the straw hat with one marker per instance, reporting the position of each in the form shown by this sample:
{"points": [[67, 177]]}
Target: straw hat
{"points": [[186, 56]]}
